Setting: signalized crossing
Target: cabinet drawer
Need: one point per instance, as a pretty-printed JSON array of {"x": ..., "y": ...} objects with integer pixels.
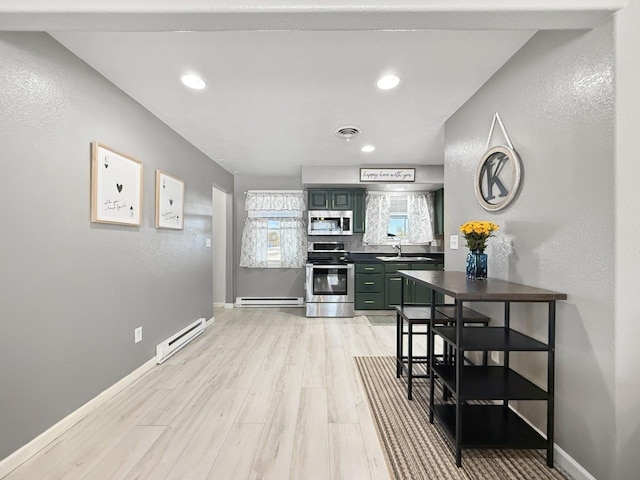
[
  {"x": 369, "y": 301},
  {"x": 393, "y": 268},
  {"x": 368, "y": 268},
  {"x": 370, "y": 283}
]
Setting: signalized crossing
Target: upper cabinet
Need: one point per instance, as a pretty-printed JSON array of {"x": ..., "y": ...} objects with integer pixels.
[
  {"x": 319, "y": 199},
  {"x": 439, "y": 210},
  {"x": 340, "y": 199},
  {"x": 358, "y": 210},
  {"x": 332, "y": 198}
]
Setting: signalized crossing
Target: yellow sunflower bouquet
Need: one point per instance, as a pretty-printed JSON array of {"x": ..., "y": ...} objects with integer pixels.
[{"x": 476, "y": 234}]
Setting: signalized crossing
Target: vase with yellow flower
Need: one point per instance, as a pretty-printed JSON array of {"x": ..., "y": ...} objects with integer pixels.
[{"x": 476, "y": 234}]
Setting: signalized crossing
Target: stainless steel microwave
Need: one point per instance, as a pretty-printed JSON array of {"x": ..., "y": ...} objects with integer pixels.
[{"x": 330, "y": 222}]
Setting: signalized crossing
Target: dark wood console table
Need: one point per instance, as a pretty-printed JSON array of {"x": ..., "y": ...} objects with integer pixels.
[{"x": 482, "y": 424}]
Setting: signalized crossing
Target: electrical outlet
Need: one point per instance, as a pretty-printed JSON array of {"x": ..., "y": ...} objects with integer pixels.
[
  {"x": 137, "y": 334},
  {"x": 208, "y": 242},
  {"x": 453, "y": 242}
]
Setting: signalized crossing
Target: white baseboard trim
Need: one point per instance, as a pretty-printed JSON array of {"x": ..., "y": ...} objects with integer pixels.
[
  {"x": 210, "y": 321},
  {"x": 25, "y": 452},
  {"x": 562, "y": 459},
  {"x": 222, "y": 305}
]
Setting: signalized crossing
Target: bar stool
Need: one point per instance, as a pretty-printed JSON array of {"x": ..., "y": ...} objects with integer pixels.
[
  {"x": 414, "y": 315},
  {"x": 470, "y": 316}
]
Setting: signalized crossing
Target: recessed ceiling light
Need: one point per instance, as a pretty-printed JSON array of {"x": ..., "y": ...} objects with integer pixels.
[
  {"x": 388, "y": 82},
  {"x": 368, "y": 148},
  {"x": 221, "y": 160},
  {"x": 193, "y": 81}
]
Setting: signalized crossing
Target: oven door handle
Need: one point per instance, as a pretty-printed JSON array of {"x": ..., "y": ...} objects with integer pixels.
[{"x": 336, "y": 267}]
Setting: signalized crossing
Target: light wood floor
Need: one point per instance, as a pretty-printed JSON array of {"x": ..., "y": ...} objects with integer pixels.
[{"x": 263, "y": 394}]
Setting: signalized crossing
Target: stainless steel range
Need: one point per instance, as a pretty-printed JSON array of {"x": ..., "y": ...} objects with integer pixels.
[{"x": 330, "y": 280}]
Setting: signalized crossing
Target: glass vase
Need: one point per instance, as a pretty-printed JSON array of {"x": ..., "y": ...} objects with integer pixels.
[{"x": 476, "y": 265}]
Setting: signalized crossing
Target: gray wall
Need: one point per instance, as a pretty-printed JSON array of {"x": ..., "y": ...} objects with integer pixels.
[
  {"x": 627, "y": 234},
  {"x": 72, "y": 291},
  {"x": 258, "y": 282},
  {"x": 556, "y": 99}
]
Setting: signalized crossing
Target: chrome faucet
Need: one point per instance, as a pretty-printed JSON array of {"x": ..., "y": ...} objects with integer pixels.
[{"x": 399, "y": 248}]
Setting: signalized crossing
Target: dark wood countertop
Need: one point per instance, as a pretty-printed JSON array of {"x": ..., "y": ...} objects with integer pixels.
[{"x": 456, "y": 285}]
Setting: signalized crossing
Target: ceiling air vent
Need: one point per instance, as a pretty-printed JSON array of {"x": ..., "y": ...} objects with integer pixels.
[{"x": 348, "y": 132}]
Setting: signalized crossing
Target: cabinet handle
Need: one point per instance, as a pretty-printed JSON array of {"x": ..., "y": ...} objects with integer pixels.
[
  {"x": 368, "y": 268},
  {"x": 368, "y": 301},
  {"x": 369, "y": 283},
  {"x": 395, "y": 279}
]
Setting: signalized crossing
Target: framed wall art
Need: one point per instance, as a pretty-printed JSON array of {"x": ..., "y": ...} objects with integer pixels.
[
  {"x": 169, "y": 201},
  {"x": 387, "y": 175},
  {"x": 116, "y": 187}
]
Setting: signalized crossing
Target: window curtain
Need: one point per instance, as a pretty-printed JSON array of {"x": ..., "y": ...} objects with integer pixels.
[
  {"x": 276, "y": 201},
  {"x": 377, "y": 218},
  {"x": 286, "y": 208},
  {"x": 419, "y": 217},
  {"x": 293, "y": 243},
  {"x": 255, "y": 245}
]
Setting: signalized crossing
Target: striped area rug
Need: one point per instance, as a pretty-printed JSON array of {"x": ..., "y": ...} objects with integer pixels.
[{"x": 415, "y": 449}]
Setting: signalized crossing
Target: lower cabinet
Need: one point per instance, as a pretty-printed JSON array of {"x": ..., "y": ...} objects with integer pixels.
[
  {"x": 393, "y": 283},
  {"x": 418, "y": 293},
  {"x": 369, "y": 286},
  {"x": 379, "y": 286}
]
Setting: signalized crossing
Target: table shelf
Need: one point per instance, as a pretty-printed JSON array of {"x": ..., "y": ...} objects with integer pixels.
[
  {"x": 491, "y": 339},
  {"x": 489, "y": 426},
  {"x": 489, "y": 383}
]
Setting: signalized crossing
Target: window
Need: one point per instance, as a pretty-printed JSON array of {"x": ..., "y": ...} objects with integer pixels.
[
  {"x": 276, "y": 223},
  {"x": 404, "y": 217},
  {"x": 273, "y": 235},
  {"x": 398, "y": 225},
  {"x": 274, "y": 256}
]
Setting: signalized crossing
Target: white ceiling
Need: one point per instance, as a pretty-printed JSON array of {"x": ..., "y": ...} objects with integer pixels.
[
  {"x": 283, "y": 75},
  {"x": 274, "y": 99}
]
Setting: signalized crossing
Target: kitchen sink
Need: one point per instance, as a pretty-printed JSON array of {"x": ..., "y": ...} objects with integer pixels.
[{"x": 396, "y": 258}]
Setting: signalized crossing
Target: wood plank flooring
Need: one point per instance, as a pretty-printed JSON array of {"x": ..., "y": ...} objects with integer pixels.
[{"x": 263, "y": 394}]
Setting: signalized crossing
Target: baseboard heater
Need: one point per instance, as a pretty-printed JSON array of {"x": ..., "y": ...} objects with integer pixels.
[
  {"x": 269, "y": 302},
  {"x": 174, "y": 343}
]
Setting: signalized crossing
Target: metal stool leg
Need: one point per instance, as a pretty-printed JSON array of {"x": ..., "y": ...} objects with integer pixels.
[
  {"x": 398, "y": 345},
  {"x": 410, "y": 362}
]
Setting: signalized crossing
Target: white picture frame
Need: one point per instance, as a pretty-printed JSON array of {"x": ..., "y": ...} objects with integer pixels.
[
  {"x": 116, "y": 187},
  {"x": 169, "y": 201}
]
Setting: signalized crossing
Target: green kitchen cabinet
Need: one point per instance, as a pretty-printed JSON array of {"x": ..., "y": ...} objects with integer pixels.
[
  {"x": 319, "y": 199},
  {"x": 392, "y": 290},
  {"x": 413, "y": 293},
  {"x": 438, "y": 222},
  {"x": 417, "y": 293},
  {"x": 379, "y": 286},
  {"x": 359, "y": 210},
  {"x": 393, "y": 283},
  {"x": 339, "y": 199},
  {"x": 369, "y": 283}
]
